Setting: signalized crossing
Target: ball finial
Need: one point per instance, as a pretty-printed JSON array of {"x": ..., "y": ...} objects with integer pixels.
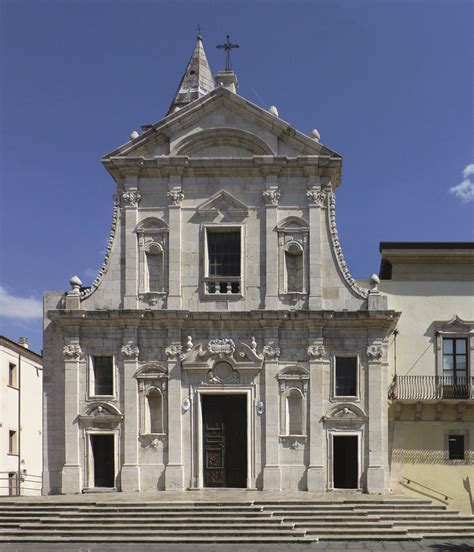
[
  {"x": 315, "y": 135},
  {"x": 134, "y": 134},
  {"x": 273, "y": 110},
  {"x": 374, "y": 282},
  {"x": 76, "y": 283}
]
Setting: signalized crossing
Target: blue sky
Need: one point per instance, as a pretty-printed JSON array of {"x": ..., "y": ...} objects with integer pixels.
[{"x": 388, "y": 84}]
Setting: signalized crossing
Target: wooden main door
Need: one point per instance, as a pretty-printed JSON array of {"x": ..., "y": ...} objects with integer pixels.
[{"x": 225, "y": 440}]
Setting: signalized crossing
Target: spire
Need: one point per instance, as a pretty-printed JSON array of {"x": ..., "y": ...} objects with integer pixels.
[{"x": 197, "y": 80}]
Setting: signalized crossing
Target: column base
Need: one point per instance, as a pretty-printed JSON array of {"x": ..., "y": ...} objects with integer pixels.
[
  {"x": 71, "y": 480},
  {"x": 316, "y": 479},
  {"x": 271, "y": 478},
  {"x": 174, "y": 477},
  {"x": 130, "y": 478},
  {"x": 377, "y": 479}
]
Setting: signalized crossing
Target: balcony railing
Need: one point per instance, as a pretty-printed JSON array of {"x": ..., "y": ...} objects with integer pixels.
[
  {"x": 427, "y": 388},
  {"x": 222, "y": 285}
]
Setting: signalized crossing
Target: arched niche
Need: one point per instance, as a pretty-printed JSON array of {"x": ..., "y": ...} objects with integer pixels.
[
  {"x": 222, "y": 142},
  {"x": 152, "y": 380},
  {"x": 293, "y": 255},
  {"x": 293, "y": 383}
]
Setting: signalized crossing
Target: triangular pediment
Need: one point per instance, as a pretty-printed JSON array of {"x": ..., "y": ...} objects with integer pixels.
[
  {"x": 223, "y": 202},
  {"x": 226, "y": 120}
]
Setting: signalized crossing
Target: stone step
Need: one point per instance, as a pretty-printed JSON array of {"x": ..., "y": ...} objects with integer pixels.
[
  {"x": 171, "y": 540},
  {"x": 163, "y": 527},
  {"x": 92, "y": 532}
]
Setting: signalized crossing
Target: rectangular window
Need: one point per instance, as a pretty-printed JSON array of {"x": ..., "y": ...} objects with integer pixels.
[
  {"x": 12, "y": 375},
  {"x": 455, "y": 358},
  {"x": 103, "y": 375},
  {"x": 223, "y": 261},
  {"x": 12, "y": 442},
  {"x": 456, "y": 447},
  {"x": 346, "y": 377}
]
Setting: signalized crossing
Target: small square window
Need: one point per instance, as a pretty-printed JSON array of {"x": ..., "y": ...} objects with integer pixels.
[
  {"x": 12, "y": 442},
  {"x": 456, "y": 447},
  {"x": 12, "y": 375},
  {"x": 346, "y": 377},
  {"x": 103, "y": 375}
]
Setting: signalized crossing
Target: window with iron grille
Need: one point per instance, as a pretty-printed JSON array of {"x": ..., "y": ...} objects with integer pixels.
[
  {"x": 456, "y": 447},
  {"x": 223, "y": 260},
  {"x": 346, "y": 377},
  {"x": 455, "y": 358},
  {"x": 103, "y": 373}
]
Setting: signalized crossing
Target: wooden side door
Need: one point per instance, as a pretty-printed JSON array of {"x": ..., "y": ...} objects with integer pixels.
[{"x": 214, "y": 446}]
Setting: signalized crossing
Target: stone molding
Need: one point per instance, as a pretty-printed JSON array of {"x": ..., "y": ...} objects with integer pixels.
[
  {"x": 338, "y": 250},
  {"x": 175, "y": 197},
  {"x": 221, "y": 347},
  {"x": 132, "y": 198},
  {"x": 110, "y": 242},
  {"x": 130, "y": 352},
  {"x": 72, "y": 351}
]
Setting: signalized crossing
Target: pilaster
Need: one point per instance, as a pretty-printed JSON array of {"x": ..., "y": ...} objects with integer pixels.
[
  {"x": 131, "y": 198},
  {"x": 376, "y": 383},
  {"x": 175, "y": 197},
  {"x": 73, "y": 362},
  {"x": 271, "y": 196},
  {"x": 174, "y": 475},
  {"x": 317, "y": 201},
  {"x": 271, "y": 470},
  {"x": 130, "y": 474},
  {"x": 318, "y": 365}
]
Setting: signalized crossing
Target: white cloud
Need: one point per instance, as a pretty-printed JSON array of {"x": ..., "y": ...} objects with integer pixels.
[
  {"x": 465, "y": 189},
  {"x": 24, "y": 308}
]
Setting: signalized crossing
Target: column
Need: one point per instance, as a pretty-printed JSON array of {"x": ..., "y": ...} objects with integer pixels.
[
  {"x": 175, "y": 197},
  {"x": 73, "y": 363},
  {"x": 130, "y": 474},
  {"x": 271, "y": 470},
  {"x": 174, "y": 476},
  {"x": 271, "y": 196},
  {"x": 131, "y": 198},
  {"x": 318, "y": 365},
  {"x": 376, "y": 382},
  {"x": 316, "y": 201}
]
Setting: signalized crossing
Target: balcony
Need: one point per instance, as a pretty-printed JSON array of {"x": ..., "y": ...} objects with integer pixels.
[
  {"x": 431, "y": 388},
  {"x": 222, "y": 285}
]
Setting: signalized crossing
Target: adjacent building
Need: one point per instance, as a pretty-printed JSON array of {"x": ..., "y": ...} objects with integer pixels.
[
  {"x": 21, "y": 406},
  {"x": 224, "y": 342}
]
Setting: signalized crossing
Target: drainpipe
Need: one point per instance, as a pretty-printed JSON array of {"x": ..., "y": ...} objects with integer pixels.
[{"x": 19, "y": 426}]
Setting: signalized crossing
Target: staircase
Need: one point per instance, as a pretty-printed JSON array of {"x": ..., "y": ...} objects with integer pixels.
[{"x": 276, "y": 521}]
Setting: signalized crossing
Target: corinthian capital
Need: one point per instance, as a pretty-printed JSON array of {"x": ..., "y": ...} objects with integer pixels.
[
  {"x": 271, "y": 197},
  {"x": 175, "y": 197},
  {"x": 132, "y": 198},
  {"x": 72, "y": 351}
]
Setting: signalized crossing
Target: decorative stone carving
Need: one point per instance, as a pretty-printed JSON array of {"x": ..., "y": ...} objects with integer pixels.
[
  {"x": 223, "y": 373},
  {"x": 271, "y": 352},
  {"x": 72, "y": 351},
  {"x": 317, "y": 197},
  {"x": 173, "y": 352},
  {"x": 175, "y": 197},
  {"x": 271, "y": 197},
  {"x": 338, "y": 250},
  {"x": 132, "y": 198},
  {"x": 130, "y": 352},
  {"x": 189, "y": 343},
  {"x": 253, "y": 344},
  {"x": 374, "y": 352},
  {"x": 221, "y": 347},
  {"x": 345, "y": 413},
  {"x": 103, "y": 268},
  {"x": 374, "y": 282},
  {"x": 316, "y": 351}
]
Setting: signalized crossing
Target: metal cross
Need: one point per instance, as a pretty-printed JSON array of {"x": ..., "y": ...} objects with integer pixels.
[
  {"x": 228, "y": 48},
  {"x": 199, "y": 30}
]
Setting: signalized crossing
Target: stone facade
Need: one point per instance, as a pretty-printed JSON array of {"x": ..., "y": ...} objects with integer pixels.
[{"x": 271, "y": 329}]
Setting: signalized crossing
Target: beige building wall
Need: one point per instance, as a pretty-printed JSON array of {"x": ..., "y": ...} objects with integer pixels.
[{"x": 21, "y": 388}]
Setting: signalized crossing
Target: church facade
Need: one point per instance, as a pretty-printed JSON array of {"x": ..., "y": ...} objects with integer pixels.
[{"x": 224, "y": 342}]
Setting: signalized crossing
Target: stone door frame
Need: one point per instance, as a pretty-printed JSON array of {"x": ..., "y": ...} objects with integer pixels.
[
  {"x": 331, "y": 433},
  {"x": 197, "y": 431},
  {"x": 89, "y": 460}
]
